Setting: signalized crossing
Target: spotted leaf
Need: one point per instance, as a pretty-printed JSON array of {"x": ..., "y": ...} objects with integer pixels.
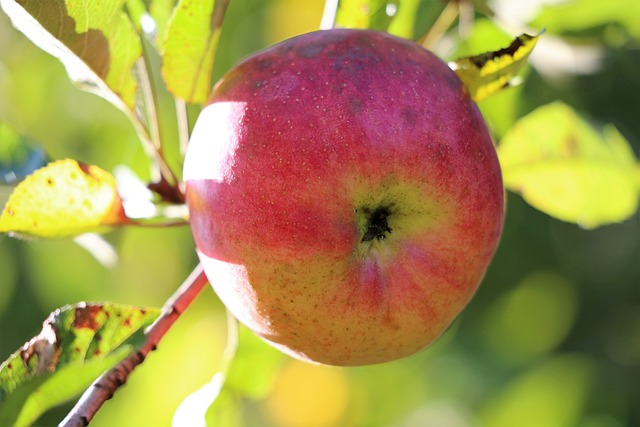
[
  {"x": 488, "y": 73},
  {"x": 76, "y": 345},
  {"x": 63, "y": 199}
]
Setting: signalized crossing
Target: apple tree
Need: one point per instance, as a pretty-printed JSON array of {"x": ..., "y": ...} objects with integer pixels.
[{"x": 96, "y": 224}]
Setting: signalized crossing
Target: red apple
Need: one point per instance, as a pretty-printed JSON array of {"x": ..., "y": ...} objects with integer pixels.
[{"x": 345, "y": 196}]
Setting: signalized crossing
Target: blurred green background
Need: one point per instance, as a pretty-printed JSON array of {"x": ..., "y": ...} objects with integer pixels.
[{"x": 552, "y": 338}]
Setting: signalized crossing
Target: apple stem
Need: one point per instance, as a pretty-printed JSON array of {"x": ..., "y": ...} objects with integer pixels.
[{"x": 107, "y": 384}]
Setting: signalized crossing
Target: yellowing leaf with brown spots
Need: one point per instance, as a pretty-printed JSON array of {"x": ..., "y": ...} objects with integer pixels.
[
  {"x": 488, "y": 73},
  {"x": 77, "y": 343},
  {"x": 63, "y": 199}
]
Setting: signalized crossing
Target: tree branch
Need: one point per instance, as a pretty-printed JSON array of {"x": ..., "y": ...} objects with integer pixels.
[{"x": 106, "y": 385}]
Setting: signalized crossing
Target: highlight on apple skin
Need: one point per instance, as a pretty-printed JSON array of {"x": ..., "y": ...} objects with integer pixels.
[{"x": 345, "y": 196}]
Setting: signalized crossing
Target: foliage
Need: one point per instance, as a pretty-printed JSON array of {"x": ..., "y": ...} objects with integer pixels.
[
  {"x": 564, "y": 167},
  {"x": 76, "y": 344},
  {"x": 63, "y": 199},
  {"x": 564, "y": 158},
  {"x": 486, "y": 74}
]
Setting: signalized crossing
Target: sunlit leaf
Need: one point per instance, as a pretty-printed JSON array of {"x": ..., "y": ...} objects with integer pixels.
[
  {"x": 189, "y": 48},
  {"x": 490, "y": 72},
  {"x": 397, "y": 17},
  {"x": 65, "y": 198},
  {"x": 354, "y": 13},
  {"x": 589, "y": 14},
  {"x": 501, "y": 109},
  {"x": 151, "y": 18},
  {"x": 254, "y": 368},
  {"x": 226, "y": 411},
  {"x": 372, "y": 14},
  {"x": 251, "y": 375},
  {"x": 193, "y": 409},
  {"x": 403, "y": 15},
  {"x": 77, "y": 343},
  {"x": 485, "y": 35},
  {"x": 94, "y": 40},
  {"x": 18, "y": 156},
  {"x": 565, "y": 168}
]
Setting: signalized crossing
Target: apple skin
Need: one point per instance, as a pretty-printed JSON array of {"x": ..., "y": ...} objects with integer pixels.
[{"x": 345, "y": 196}]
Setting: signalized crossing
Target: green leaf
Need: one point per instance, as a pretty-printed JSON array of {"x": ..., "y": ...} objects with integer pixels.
[
  {"x": 397, "y": 17},
  {"x": 76, "y": 345},
  {"x": 251, "y": 374},
  {"x": 190, "y": 46},
  {"x": 485, "y": 35},
  {"x": 364, "y": 14},
  {"x": 254, "y": 368},
  {"x": 565, "y": 168},
  {"x": 63, "y": 199},
  {"x": 585, "y": 15},
  {"x": 95, "y": 41},
  {"x": 151, "y": 18},
  {"x": 226, "y": 411},
  {"x": 404, "y": 14},
  {"x": 489, "y": 73}
]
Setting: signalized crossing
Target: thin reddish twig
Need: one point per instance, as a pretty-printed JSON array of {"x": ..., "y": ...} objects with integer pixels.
[{"x": 106, "y": 385}]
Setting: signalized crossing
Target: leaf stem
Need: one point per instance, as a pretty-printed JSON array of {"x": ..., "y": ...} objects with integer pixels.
[
  {"x": 107, "y": 384},
  {"x": 231, "y": 348},
  {"x": 442, "y": 24},
  {"x": 466, "y": 13},
  {"x": 329, "y": 14},
  {"x": 182, "y": 120},
  {"x": 150, "y": 99}
]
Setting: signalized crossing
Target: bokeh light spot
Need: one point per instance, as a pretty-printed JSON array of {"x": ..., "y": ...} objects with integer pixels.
[
  {"x": 532, "y": 319},
  {"x": 309, "y": 396}
]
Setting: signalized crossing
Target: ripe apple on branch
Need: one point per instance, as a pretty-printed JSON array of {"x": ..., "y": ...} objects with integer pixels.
[{"x": 345, "y": 196}]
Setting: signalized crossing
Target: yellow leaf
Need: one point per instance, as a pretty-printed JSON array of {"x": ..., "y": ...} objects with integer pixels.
[
  {"x": 489, "y": 73},
  {"x": 354, "y": 14},
  {"x": 189, "y": 48},
  {"x": 63, "y": 199},
  {"x": 567, "y": 169}
]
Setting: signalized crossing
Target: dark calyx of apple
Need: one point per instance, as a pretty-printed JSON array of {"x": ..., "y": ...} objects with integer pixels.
[{"x": 377, "y": 225}]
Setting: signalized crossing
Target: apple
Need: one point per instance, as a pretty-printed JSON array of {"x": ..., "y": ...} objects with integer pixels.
[{"x": 345, "y": 196}]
